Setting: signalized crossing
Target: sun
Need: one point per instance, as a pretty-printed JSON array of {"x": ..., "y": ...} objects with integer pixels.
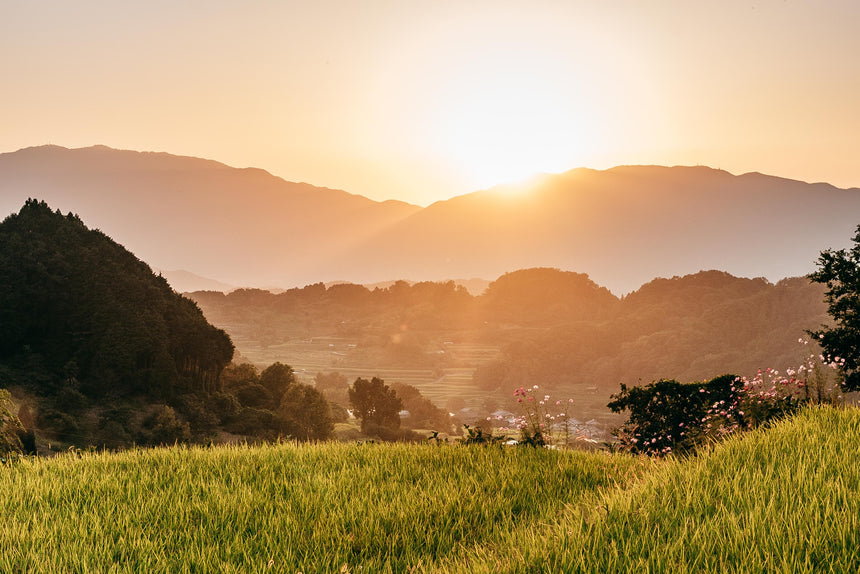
[{"x": 506, "y": 118}]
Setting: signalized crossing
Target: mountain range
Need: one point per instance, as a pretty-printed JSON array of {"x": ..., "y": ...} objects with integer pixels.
[{"x": 622, "y": 226}]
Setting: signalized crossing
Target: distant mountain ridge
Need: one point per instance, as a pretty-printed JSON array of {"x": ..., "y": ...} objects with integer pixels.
[
  {"x": 626, "y": 225},
  {"x": 185, "y": 282},
  {"x": 239, "y": 226},
  {"x": 622, "y": 226}
]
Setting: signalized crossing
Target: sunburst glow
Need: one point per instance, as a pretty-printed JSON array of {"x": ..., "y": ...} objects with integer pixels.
[{"x": 505, "y": 117}]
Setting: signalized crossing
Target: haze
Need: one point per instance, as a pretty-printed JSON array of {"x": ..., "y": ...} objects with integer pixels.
[{"x": 422, "y": 101}]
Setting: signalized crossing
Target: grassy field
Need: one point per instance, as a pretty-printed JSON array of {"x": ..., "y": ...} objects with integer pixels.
[
  {"x": 785, "y": 499},
  {"x": 782, "y": 500},
  {"x": 311, "y": 508}
]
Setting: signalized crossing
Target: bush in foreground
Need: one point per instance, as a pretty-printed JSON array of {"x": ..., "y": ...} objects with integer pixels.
[{"x": 671, "y": 417}]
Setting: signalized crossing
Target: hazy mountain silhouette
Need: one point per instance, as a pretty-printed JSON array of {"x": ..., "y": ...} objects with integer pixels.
[
  {"x": 240, "y": 226},
  {"x": 186, "y": 282},
  {"x": 623, "y": 226}
]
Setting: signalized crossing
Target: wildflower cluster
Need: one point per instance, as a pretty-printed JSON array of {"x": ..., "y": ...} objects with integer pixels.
[
  {"x": 543, "y": 421},
  {"x": 668, "y": 416},
  {"x": 771, "y": 393}
]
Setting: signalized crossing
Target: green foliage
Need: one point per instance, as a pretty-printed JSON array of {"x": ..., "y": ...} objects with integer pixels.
[
  {"x": 305, "y": 413},
  {"x": 238, "y": 375},
  {"x": 479, "y": 436},
  {"x": 271, "y": 404},
  {"x": 671, "y": 417},
  {"x": 60, "y": 425},
  {"x": 334, "y": 386},
  {"x": 423, "y": 414},
  {"x": 277, "y": 378},
  {"x": 839, "y": 270},
  {"x": 225, "y": 406},
  {"x": 200, "y": 415},
  {"x": 255, "y": 395},
  {"x": 689, "y": 327},
  {"x": 85, "y": 325},
  {"x": 10, "y": 427},
  {"x": 546, "y": 296},
  {"x": 339, "y": 413},
  {"x": 112, "y": 435},
  {"x": 375, "y": 404},
  {"x": 534, "y": 326},
  {"x": 668, "y": 416},
  {"x": 253, "y": 422},
  {"x": 163, "y": 427},
  {"x": 71, "y": 296}
]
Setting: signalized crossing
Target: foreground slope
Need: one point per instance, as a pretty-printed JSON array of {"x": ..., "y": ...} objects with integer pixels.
[
  {"x": 312, "y": 508},
  {"x": 784, "y": 499}
]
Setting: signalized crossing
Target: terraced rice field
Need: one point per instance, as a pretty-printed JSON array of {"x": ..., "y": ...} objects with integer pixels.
[{"x": 326, "y": 354}]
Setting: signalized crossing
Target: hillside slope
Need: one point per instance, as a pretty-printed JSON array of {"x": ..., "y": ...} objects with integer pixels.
[
  {"x": 781, "y": 499},
  {"x": 380, "y": 508},
  {"x": 87, "y": 328},
  {"x": 80, "y": 306},
  {"x": 539, "y": 326}
]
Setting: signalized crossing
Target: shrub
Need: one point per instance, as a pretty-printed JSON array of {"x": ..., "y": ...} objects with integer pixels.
[
  {"x": 543, "y": 422},
  {"x": 10, "y": 426},
  {"x": 256, "y": 422},
  {"x": 477, "y": 435},
  {"x": 163, "y": 427},
  {"x": 668, "y": 416}
]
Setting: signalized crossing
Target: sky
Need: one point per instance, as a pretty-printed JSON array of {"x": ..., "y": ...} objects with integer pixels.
[{"x": 424, "y": 100}]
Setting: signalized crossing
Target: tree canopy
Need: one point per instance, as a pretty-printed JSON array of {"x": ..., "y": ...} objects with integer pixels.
[
  {"x": 76, "y": 305},
  {"x": 375, "y": 404},
  {"x": 87, "y": 329},
  {"x": 306, "y": 413},
  {"x": 839, "y": 270}
]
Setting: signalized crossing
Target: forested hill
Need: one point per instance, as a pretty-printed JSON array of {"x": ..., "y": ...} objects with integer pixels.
[
  {"x": 84, "y": 323},
  {"x": 539, "y": 326}
]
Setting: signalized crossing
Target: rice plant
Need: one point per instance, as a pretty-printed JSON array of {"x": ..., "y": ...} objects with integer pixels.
[
  {"x": 779, "y": 499},
  {"x": 286, "y": 507}
]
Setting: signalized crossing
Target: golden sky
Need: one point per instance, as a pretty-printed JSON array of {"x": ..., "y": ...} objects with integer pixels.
[{"x": 422, "y": 100}]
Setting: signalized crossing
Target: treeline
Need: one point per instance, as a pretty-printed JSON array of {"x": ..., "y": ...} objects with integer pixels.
[
  {"x": 553, "y": 328},
  {"x": 689, "y": 328},
  {"x": 528, "y": 297}
]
